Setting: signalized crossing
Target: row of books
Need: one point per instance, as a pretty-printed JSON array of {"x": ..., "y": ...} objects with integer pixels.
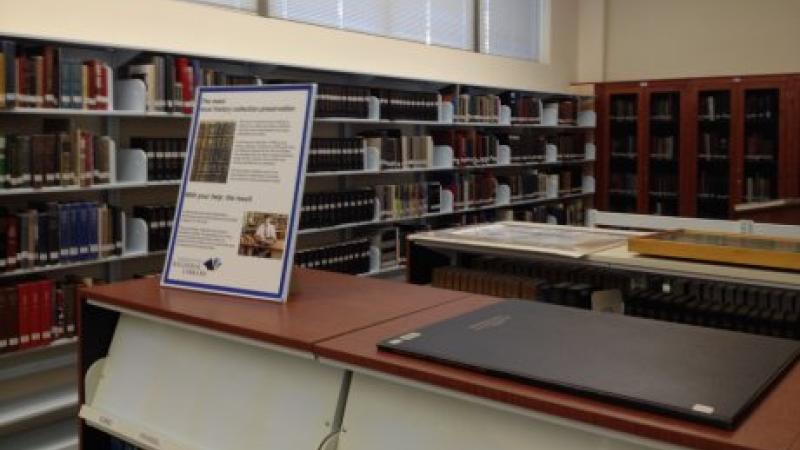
[
  {"x": 42, "y": 77},
  {"x": 54, "y": 233},
  {"x": 38, "y": 312},
  {"x": 662, "y": 147},
  {"x": 663, "y": 107},
  {"x": 392, "y": 243},
  {"x": 470, "y": 148},
  {"x": 472, "y": 189},
  {"x": 566, "y": 213},
  {"x": 713, "y": 184},
  {"x": 77, "y": 158},
  {"x": 664, "y": 183},
  {"x": 761, "y": 105},
  {"x": 624, "y": 147},
  {"x": 169, "y": 81},
  {"x": 342, "y": 101},
  {"x": 758, "y": 186},
  {"x": 526, "y": 109},
  {"x": 624, "y": 182},
  {"x": 484, "y": 283},
  {"x": 760, "y": 145},
  {"x": 714, "y": 106},
  {"x": 408, "y": 200},
  {"x": 335, "y": 154},
  {"x": 159, "y": 224},
  {"x": 750, "y": 310},
  {"x": 527, "y": 185},
  {"x": 623, "y": 108},
  {"x": 712, "y": 145},
  {"x": 333, "y": 208},
  {"x": 400, "y": 152},
  {"x": 404, "y": 105},
  {"x": 552, "y": 273},
  {"x": 348, "y": 257},
  {"x": 165, "y": 156}
]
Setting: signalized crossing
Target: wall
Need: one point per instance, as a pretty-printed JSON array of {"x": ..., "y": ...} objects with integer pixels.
[
  {"x": 648, "y": 39},
  {"x": 591, "y": 40},
  {"x": 183, "y": 27}
]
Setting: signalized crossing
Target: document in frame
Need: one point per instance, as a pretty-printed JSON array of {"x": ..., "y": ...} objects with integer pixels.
[{"x": 239, "y": 204}]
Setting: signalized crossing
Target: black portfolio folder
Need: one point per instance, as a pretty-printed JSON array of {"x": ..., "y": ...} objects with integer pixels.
[{"x": 701, "y": 374}]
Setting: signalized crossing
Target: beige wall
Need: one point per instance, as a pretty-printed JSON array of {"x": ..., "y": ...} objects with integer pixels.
[
  {"x": 648, "y": 39},
  {"x": 182, "y": 27},
  {"x": 591, "y": 40}
]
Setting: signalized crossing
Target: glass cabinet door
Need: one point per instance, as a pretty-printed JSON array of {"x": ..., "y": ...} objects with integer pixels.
[
  {"x": 624, "y": 137},
  {"x": 761, "y": 143},
  {"x": 714, "y": 154},
  {"x": 664, "y": 150}
]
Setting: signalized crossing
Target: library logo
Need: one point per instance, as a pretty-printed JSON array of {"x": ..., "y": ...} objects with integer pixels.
[{"x": 213, "y": 263}]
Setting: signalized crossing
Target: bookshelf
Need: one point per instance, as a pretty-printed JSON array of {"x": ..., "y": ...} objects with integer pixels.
[
  {"x": 562, "y": 128},
  {"x": 732, "y": 137}
]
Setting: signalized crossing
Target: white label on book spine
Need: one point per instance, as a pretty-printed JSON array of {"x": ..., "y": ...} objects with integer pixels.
[
  {"x": 3, "y": 343},
  {"x": 94, "y": 248},
  {"x": 46, "y": 335},
  {"x": 54, "y": 255},
  {"x": 36, "y": 336},
  {"x": 13, "y": 341},
  {"x": 70, "y": 328}
]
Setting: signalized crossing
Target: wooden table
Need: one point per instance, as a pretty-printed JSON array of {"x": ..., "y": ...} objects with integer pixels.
[
  {"x": 337, "y": 320},
  {"x": 774, "y": 423}
]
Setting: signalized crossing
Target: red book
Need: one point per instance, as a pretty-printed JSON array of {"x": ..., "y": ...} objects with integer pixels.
[
  {"x": 45, "y": 288},
  {"x": 12, "y": 317},
  {"x": 5, "y": 318},
  {"x": 34, "y": 313},
  {"x": 186, "y": 79},
  {"x": 91, "y": 94},
  {"x": 24, "y": 305},
  {"x": 102, "y": 85}
]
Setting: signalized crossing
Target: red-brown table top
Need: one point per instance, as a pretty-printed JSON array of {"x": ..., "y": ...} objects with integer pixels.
[
  {"x": 321, "y": 305},
  {"x": 773, "y": 424}
]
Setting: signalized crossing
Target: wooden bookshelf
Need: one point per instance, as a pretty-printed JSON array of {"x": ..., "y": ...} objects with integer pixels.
[{"x": 733, "y": 137}]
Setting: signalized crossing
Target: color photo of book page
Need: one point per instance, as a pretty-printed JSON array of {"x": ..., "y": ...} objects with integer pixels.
[
  {"x": 239, "y": 206},
  {"x": 560, "y": 240}
]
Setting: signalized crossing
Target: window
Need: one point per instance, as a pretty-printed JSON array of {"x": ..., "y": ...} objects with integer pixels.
[
  {"x": 511, "y": 28},
  {"x": 447, "y": 23}
]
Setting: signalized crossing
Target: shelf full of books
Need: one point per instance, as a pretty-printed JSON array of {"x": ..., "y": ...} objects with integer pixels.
[{"x": 385, "y": 153}]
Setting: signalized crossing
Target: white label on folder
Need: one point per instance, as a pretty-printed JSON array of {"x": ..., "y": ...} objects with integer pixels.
[{"x": 701, "y": 408}]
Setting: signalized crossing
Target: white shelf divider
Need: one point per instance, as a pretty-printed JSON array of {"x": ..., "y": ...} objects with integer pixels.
[{"x": 167, "y": 387}]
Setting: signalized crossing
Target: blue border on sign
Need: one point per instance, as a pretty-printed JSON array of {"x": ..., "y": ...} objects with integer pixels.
[{"x": 289, "y": 250}]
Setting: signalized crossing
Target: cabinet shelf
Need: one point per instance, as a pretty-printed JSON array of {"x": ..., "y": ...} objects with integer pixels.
[
  {"x": 340, "y": 173},
  {"x": 92, "y": 113},
  {"x": 94, "y": 187},
  {"x": 76, "y": 264},
  {"x": 531, "y": 202}
]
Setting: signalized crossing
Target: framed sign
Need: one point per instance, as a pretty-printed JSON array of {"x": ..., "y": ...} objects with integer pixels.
[{"x": 238, "y": 209}]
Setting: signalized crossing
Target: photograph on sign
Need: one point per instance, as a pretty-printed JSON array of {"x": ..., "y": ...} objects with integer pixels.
[{"x": 239, "y": 204}]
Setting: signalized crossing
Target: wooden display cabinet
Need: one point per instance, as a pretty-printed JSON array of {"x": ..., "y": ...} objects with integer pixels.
[{"x": 702, "y": 145}]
